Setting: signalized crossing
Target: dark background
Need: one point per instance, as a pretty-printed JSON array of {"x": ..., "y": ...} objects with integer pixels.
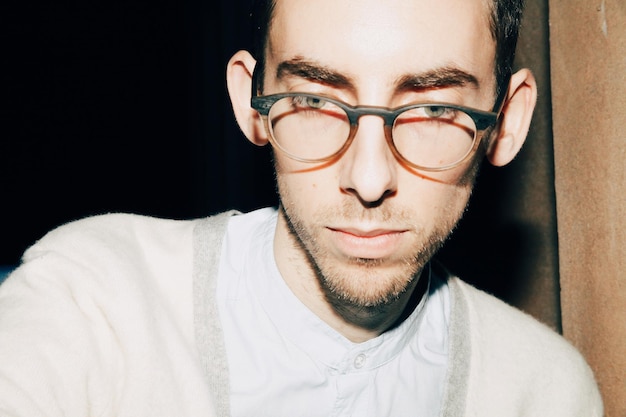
[{"x": 122, "y": 106}]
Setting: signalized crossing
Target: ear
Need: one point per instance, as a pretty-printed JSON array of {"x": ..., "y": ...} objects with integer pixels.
[
  {"x": 239, "y": 81},
  {"x": 515, "y": 119}
]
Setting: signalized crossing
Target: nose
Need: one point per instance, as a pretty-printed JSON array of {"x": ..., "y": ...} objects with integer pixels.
[{"x": 368, "y": 168}]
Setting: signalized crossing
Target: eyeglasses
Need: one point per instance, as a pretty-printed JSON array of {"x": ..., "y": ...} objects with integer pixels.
[{"x": 432, "y": 136}]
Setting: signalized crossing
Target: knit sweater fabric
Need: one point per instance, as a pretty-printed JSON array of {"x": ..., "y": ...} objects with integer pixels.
[{"x": 115, "y": 315}]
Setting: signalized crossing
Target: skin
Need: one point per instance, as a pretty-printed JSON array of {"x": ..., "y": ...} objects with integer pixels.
[{"x": 354, "y": 234}]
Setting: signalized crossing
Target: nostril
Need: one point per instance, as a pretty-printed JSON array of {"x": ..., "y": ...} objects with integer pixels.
[
  {"x": 370, "y": 203},
  {"x": 377, "y": 203}
]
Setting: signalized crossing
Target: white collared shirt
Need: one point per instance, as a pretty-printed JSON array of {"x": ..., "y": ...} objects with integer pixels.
[{"x": 284, "y": 361}]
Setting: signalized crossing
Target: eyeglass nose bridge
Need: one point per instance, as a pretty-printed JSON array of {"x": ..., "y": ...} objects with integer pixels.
[
  {"x": 355, "y": 114},
  {"x": 388, "y": 116}
]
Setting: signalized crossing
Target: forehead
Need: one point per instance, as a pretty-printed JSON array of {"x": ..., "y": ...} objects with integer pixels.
[{"x": 374, "y": 38}]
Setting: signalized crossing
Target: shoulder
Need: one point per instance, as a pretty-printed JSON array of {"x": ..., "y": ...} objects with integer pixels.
[
  {"x": 515, "y": 359},
  {"x": 127, "y": 268},
  {"x": 121, "y": 249},
  {"x": 107, "y": 232},
  {"x": 508, "y": 325},
  {"x": 112, "y": 250}
]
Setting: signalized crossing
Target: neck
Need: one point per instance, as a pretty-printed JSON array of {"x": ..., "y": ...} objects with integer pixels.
[
  {"x": 360, "y": 323},
  {"x": 355, "y": 322}
]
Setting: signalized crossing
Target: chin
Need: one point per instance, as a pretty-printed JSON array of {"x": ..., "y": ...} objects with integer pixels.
[{"x": 367, "y": 283}]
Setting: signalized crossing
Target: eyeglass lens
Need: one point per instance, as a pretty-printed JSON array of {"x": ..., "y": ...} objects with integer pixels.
[{"x": 312, "y": 128}]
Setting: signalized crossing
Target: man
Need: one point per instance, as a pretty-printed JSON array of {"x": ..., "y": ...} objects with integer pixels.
[{"x": 379, "y": 114}]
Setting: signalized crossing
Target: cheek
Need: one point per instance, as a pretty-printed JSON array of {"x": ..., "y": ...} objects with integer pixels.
[
  {"x": 295, "y": 177},
  {"x": 446, "y": 192},
  {"x": 455, "y": 201},
  {"x": 302, "y": 191},
  {"x": 436, "y": 200}
]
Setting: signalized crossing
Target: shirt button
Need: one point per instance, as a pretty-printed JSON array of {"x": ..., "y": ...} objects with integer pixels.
[{"x": 359, "y": 361}]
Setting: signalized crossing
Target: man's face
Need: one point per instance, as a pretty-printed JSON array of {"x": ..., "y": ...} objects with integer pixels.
[{"x": 366, "y": 223}]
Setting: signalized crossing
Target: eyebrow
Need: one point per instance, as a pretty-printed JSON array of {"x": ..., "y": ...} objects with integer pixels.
[
  {"x": 312, "y": 71},
  {"x": 448, "y": 76}
]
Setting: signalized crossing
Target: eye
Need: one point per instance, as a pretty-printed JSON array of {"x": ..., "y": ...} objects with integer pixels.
[
  {"x": 434, "y": 111},
  {"x": 309, "y": 102},
  {"x": 315, "y": 102}
]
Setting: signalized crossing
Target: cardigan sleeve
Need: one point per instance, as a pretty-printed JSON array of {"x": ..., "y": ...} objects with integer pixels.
[
  {"x": 98, "y": 321},
  {"x": 58, "y": 356}
]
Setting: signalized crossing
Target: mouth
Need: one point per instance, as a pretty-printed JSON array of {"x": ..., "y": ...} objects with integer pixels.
[{"x": 367, "y": 243}]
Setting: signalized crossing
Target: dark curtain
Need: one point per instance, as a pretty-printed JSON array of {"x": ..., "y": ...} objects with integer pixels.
[{"x": 121, "y": 106}]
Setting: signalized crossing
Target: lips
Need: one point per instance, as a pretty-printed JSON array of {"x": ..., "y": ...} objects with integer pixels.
[{"x": 366, "y": 243}]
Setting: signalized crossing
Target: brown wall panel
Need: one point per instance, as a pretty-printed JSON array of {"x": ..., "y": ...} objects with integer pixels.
[{"x": 588, "y": 57}]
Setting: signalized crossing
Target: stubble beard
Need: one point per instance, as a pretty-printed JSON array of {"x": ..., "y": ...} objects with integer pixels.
[{"x": 370, "y": 286}]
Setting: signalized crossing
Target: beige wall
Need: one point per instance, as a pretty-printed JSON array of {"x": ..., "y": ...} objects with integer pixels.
[{"x": 588, "y": 66}]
